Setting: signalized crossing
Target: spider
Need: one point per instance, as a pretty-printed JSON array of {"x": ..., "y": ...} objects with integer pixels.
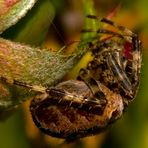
[{"x": 78, "y": 108}]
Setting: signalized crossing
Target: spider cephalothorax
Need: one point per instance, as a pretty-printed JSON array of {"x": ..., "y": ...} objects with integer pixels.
[
  {"x": 86, "y": 106},
  {"x": 117, "y": 62}
]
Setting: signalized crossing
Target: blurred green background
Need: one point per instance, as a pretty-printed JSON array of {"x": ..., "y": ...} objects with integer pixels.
[{"x": 131, "y": 131}]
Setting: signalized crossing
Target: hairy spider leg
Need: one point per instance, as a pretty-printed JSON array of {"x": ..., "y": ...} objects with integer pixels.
[
  {"x": 60, "y": 97},
  {"x": 85, "y": 75},
  {"x": 119, "y": 73},
  {"x": 128, "y": 75},
  {"x": 104, "y": 31},
  {"x": 134, "y": 63},
  {"x": 133, "y": 59},
  {"x": 115, "y": 65},
  {"x": 37, "y": 88},
  {"x": 124, "y": 30}
]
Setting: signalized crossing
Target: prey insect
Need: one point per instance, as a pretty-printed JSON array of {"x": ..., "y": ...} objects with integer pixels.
[{"x": 86, "y": 106}]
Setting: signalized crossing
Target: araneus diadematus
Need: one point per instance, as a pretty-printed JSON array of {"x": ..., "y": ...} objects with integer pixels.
[{"x": 86, "y": 106}]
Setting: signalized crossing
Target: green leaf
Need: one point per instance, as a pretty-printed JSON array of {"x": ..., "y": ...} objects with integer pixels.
[
  {"x": 32, "y": 29},
  {"x": 12, "y": 11}
]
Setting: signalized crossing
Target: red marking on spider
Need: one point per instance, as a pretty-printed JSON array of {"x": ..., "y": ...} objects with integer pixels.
[{"x": 128, "y": 49}]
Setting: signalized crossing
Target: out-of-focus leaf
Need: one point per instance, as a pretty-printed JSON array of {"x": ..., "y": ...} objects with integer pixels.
[
  {"x": 12, "y": 133},
  {"x": 11, "y": 11},
  {"x": 32, "y": 29}
]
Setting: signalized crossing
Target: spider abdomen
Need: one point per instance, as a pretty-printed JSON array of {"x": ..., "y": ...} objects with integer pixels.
[{"x": 65, "y": 121}]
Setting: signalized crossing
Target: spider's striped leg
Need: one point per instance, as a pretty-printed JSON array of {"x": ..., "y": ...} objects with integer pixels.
[
  {"x": 104, "y": 31},
  {"x": 115, "y": 65},
  {"x": 37, "y": 88},
  {"x": 66, "y": 94},
  {"x": 132, "y": 54},
  {"x": 125, "y": 31},
  {"x": 133, "y": 57},
  {"x": 93, "y": 85}
]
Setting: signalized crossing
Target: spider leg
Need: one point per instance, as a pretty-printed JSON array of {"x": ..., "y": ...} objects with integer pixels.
[
  {"x": 104, "y": 31},
  {"x": 52, "y": 91},
  {"x": 61, "y": 96},
  {"x": 120, "y": 74},
  {"x": 37, "y": 88},
  {"x": 93, "y": 85},
  {"x": 126, "y": 31},
  {"x": 133, "y": 66}
]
